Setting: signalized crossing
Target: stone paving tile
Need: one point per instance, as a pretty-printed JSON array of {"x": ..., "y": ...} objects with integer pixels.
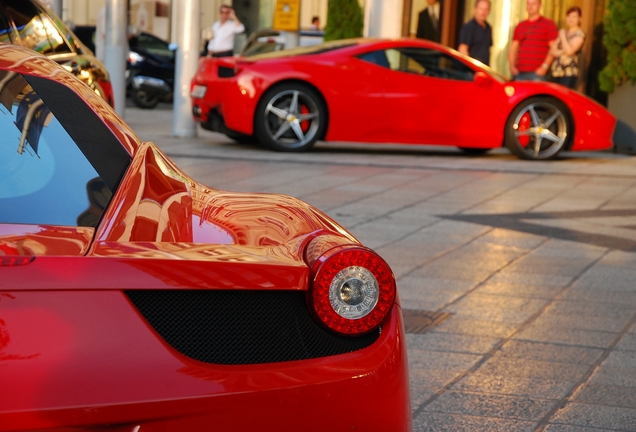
[
  {"x": 566, "y": 307},
  {"x": 452, "y": 272},
  {"x": 537, "y": 264},
  {"x": 571, "y": 428},
  {"x": 530, "y": 387},
  {"x": 548, "y": 333},
  {"x": 429, "y": 379},
  {"x": 521, "y": 290},
  {"x": 550, "y": 352},
  {"x": 430, "y": 294},
  {"x": 439, "y": 360},
  {"x": 420, "y": 393},
  {"x": 488, "y": 307},
  {"x": 619, "y": 258},
  {"x": 627, "y": 343},
  {"x": 506, "y": 237},
  {"x": 516, "y": 278},
  {"x": 608, "y": 279},
  {"x": 617, "y": 396},
  {"x": 562, "y": 248},
  {"x": 614, "y": 376},
  {"x": 476, "y": 327},
  {"x": 597, "y": 296},
  {"x": 459, "y": 343},
  {"x": 580, "y": 322},
  {"x": 621, "y": 359},
  {"x": 505, "y": 366},
  {"x": 441, "y": 422},
  {"x": 489, "y": 405},
  {"x": 598, "y": 416}
]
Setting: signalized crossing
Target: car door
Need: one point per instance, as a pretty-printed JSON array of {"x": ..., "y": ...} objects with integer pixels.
[
  {"x": 355, "y": 93},
  {"x": 434, "y": 98}
]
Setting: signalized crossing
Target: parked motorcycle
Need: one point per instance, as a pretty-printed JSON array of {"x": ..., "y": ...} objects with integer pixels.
[
  {"x": 150, "y": 72},
  {"x": 150, "y": 67}
]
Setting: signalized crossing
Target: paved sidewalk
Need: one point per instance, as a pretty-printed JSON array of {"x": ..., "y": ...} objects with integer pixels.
[{"x": 526, "y": 271}]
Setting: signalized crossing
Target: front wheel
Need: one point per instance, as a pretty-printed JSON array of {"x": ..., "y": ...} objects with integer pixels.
[
  {"x": 539, "y": 128},
  {"x": 143, "y": 99},
  {"x": 290, "y": 117}
]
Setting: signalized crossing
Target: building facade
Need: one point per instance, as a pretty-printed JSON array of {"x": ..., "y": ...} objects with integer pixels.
[{"x": 383, "y": 18}]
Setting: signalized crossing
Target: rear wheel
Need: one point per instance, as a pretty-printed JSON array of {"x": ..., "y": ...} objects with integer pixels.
[
  {"x": 539, "y": 128},
  {"x": 290, "y": 117}
]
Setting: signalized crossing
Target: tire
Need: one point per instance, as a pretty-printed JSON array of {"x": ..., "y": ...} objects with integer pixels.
[
  {"x": 144, "y": 99},
  {"x": 539, "y": 128},
  {"x": 290, "y": 117}
]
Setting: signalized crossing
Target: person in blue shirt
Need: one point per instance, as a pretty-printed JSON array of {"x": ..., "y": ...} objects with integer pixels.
[{"x": 475, "y": 37}]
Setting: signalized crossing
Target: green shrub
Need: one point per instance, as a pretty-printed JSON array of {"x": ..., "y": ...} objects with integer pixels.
[
  {"x": 619, "y": 40},
  {"x": 344, "y": 20}
]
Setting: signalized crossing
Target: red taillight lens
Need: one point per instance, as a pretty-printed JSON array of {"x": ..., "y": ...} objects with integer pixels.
[{"x": 352, "y": 290}]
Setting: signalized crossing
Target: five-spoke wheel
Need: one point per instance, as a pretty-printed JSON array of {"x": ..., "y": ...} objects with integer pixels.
[
  {"x": 538, "y": 128},
  {"x": 290, "y": 117}
]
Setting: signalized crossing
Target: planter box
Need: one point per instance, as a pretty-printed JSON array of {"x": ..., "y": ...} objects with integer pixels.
[{"x": 622, "y": 103}]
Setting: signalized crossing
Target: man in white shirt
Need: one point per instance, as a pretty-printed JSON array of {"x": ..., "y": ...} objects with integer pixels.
[{"x": 224, "y": 30}]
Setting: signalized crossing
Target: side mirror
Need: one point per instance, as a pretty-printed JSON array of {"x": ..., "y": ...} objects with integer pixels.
[{"x": 482, "y": 79}]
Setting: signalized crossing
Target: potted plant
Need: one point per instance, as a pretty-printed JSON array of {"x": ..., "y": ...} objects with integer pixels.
[
  {"x": 618, "y": 77},
  {"x": 344, "y": 20}
]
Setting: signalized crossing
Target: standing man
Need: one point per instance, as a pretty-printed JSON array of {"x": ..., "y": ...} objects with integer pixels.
[
  {"x": 529, "y": 53},
  {"x": 224, "y": 31},
  {"x": 475, "y": 37},
  {"x": 429, "y": 22}
]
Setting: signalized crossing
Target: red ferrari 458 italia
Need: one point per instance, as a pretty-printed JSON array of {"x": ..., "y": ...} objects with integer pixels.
[
  {"x": 133, "y": 298},
  {"x": 397, "y": 91}
]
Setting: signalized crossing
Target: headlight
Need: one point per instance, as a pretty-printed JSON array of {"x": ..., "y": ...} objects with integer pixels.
[
  {"x": 135, "y": 58},
  {"x": 198, "y": 91}
]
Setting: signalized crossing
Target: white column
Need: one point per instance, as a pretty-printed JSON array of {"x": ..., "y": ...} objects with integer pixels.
[
  {"x": 116, "y": 50},
  {"x": 187, "y": 22},
  {"x": 383, "y": 18},
  {"x": 56, "y": 7}
]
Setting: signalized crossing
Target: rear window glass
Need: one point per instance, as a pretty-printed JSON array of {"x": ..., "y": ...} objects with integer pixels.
[{"x": 44, "y": 177}]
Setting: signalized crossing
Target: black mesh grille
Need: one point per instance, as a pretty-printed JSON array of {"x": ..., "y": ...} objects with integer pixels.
[
  {"x": 241, "y": 327},
  {"x": 226, "y": 72}
]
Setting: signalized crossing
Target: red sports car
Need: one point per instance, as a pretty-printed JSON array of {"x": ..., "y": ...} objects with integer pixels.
[
  {"x": 133, "y": 298},
  {"x": 398, "y": 91}
]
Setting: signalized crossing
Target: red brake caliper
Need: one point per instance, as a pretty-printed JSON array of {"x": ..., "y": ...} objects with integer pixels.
[
  {"x": 304, "y": 126},
  {"x": 524, "y": 124}
]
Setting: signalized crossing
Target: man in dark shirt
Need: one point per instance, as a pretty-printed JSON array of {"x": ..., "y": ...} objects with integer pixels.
[{"x": 475, "y": 37}]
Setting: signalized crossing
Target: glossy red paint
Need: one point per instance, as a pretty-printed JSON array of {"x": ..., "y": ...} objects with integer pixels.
[
  {"x": 84, "y": 359},
  {"x": 77, "y": 354},
  {"x": 367, "y": 102}
]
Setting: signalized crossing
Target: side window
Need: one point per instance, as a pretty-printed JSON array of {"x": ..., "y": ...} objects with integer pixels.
[
  {"x": 36, "y": 30},
  {"x": 375, "y": 57},
  {"x": 428, "y": 62},
  {"x": 44, "y": 177}
]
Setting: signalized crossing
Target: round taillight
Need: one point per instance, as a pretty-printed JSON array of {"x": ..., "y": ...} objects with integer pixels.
[{"x": 352, "y": 289}]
